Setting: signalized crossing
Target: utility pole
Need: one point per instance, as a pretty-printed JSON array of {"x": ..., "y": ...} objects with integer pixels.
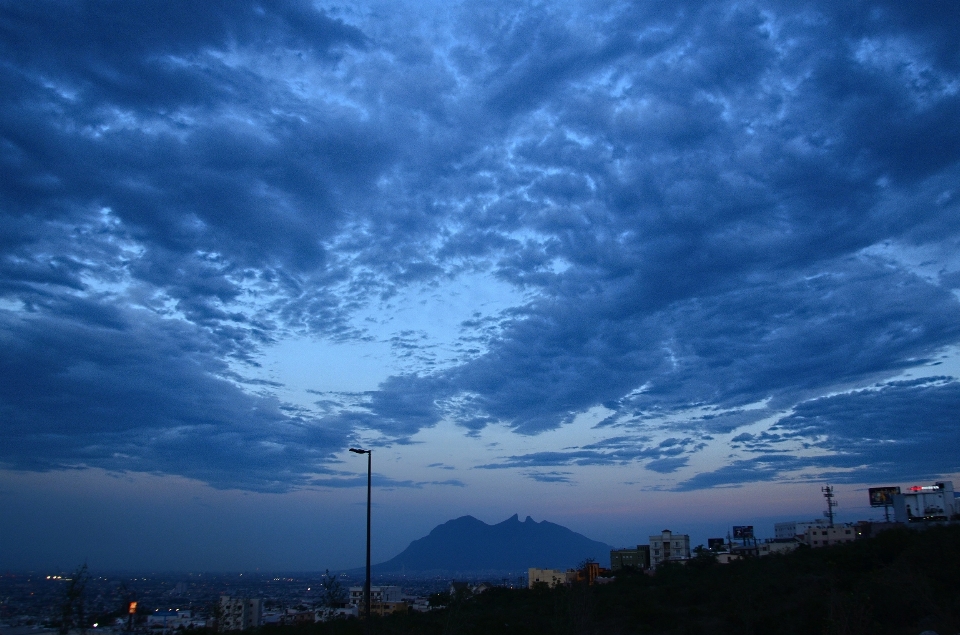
[{"x": 366, "y": 584}]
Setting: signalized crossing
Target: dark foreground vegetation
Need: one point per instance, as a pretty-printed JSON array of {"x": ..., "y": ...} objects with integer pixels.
[{"x": 899, "y": 582}]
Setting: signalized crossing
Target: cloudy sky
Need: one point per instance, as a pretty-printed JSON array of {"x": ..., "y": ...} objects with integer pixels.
[{"x": 622, "y": 266}]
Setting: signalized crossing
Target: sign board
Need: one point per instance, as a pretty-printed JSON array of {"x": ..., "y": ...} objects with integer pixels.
[
  {"x": 882, "y": 496},
  {"x": 743, "y": 531}
]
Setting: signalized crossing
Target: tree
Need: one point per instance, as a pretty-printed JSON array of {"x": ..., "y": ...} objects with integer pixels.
[
  {"x": 334, "y": 595},
  {"x": 72, "y": 613}
]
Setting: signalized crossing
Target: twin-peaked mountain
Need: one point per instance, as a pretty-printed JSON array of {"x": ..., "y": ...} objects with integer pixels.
[{"x": 466, "y": 544}]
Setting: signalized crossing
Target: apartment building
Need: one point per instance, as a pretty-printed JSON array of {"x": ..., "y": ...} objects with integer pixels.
[
  {"x": 669, "y": 546},
  {"x": 239, "y": 614}
]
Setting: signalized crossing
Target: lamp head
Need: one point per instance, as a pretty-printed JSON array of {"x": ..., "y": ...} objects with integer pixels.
[{"x": 359, "y": 451}]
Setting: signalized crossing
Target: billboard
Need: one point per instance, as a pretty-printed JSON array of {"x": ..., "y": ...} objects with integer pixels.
[
  {"x": 743, "y": 531},
  {"x": 882, "y": 496}
]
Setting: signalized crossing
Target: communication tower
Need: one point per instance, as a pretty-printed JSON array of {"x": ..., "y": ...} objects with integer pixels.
[{"x": 831, "y": 503}]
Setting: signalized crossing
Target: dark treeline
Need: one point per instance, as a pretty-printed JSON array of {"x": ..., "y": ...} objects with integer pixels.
[{"x": 899, "y": 582}]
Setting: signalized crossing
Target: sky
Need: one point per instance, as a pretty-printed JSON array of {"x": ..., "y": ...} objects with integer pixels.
[{"x": 620, "y": 266}]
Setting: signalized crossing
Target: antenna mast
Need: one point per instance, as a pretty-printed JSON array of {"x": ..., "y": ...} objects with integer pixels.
[{"x": 828, "y": 494}]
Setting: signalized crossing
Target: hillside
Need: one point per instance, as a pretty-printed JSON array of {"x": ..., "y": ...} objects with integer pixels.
[{"x": 902, "y": 582}]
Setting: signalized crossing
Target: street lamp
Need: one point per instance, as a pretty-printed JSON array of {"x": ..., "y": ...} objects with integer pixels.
[{"x": 366, "y": 585}]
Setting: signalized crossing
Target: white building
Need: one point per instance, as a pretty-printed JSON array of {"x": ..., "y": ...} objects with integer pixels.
[
  {"x": 669, "y": 546},
  {"x": 550, "y": 577},
  {"x": 378, "y": 595},
  {"x": 174, "y": 619},
  {"x": 824, "y": 535},
  {"x": 326, "y": 614},
  {"x": 769, "y": 548},
  {"x": 725, "y": 557},
  {"x": 239, "y": 614},
  {"x": 926, "y": 503},
  {"x": 793, "y": 529}
]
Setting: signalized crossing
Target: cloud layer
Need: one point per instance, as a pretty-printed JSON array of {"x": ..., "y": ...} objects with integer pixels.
[{"x": 704, "y": 206}]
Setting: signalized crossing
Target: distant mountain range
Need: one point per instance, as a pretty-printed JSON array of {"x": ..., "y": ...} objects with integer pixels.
[{"x": 467, "y": 545}]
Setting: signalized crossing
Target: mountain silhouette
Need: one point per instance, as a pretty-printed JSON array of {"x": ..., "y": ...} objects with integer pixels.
[{"x": 468, "y": 545}]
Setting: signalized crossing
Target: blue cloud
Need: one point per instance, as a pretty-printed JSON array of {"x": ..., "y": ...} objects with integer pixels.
[
  {"x": 666, "y": 466},
  {"x": 897, "y": 431},
  {"x": 704, "y": 206},
  {"x": 615, "y": 451},
  {"x": 550, "y": 477},
  {"x": 146, "y": 395},
  {"x": 347, "y": 480}
]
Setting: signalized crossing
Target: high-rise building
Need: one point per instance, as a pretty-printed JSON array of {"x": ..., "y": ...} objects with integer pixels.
[
  {"x": 794, "y": 529},
  {"x": 669, "y": 546},
  {"x": 239, "y": 614}
]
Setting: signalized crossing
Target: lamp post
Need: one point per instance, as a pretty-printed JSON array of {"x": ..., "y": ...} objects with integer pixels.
[{"x": 366, "y": 584}]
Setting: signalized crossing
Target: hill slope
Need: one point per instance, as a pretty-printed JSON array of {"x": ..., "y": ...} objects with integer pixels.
[{"x": 466, "y": 544}]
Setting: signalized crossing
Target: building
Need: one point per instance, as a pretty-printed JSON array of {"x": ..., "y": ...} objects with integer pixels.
[
  {"x": 550, "y": 577},
  {"x": 669, "y": 547},
  {"x": 326, "y": 614},
  {"x": 637, "y": 559},
  {"x": 771, "y": 547},
  {"x": 716, "y": 544},
  {"x": 377, "y": 594},
  {"x": 588, "y": 573},
  {"x": 793, "y": 529},
  {"x": 239, "y": 614},
  {"x": 926, "y": 503},
  {"x": 174, "y": 619},
  {"x": 824, "y": 535},
  {"x": 383, "y": 599},
  {"x": 725, "y": 557},
  {"x": 725, "y": 553}
]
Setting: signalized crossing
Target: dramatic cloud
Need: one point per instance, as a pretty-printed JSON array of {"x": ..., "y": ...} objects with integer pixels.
[
  {"x": 133, "y": 394},
  {"x": 902, "y": 430},
  {"x": 709, "y": 214}
]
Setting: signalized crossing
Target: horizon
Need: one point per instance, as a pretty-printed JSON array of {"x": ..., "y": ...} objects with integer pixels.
[
  {"x": 617, "y": 266},
  {"x": 760, "y": 530}
]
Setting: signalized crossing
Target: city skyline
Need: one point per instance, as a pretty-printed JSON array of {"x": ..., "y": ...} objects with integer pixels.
[{"x": 616, "y": 266}]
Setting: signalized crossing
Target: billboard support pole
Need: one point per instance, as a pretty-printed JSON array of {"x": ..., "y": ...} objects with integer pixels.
[{"x": 883, "y": 497}]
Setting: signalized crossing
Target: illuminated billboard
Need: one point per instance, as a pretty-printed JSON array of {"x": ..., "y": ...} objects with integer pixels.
[
  {"x": 882, "y": 496},
  {"x": 743, "y": 531}
]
